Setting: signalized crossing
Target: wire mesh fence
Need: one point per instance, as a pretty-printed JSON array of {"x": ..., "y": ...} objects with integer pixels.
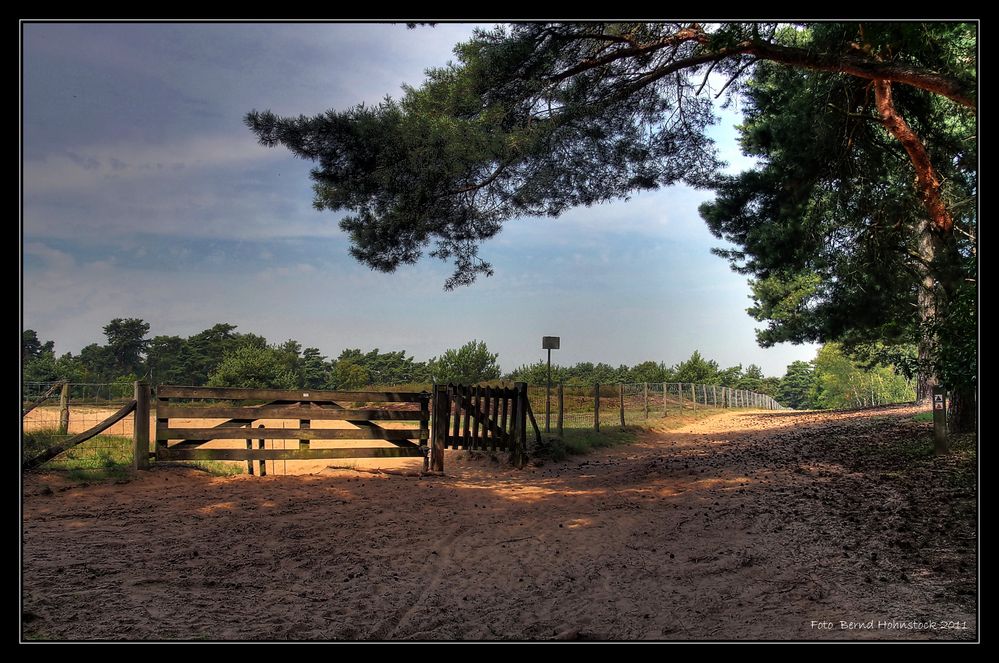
[
  {"x": 629, "y": 404},
  {"x": 59, "y": 411}
]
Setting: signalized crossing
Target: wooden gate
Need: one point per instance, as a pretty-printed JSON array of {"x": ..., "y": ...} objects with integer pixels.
[
  {"x": 480, "y": 419},
  {"x": 240, "y": 409}
]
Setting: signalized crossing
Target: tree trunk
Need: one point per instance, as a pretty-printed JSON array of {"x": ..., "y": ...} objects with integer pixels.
[{"x": 963, "y": 413}]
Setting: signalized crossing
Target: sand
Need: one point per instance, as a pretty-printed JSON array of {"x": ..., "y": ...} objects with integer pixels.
[{"x": 742, "y": 526}]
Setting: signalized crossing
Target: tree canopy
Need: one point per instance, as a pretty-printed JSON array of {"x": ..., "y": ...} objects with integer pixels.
[
  {"x": 858, "y": 226},
  {"x": 535, "y": 118}
]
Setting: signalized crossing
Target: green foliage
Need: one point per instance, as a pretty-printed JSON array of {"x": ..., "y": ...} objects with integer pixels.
[
  {"x": 252, "y": 367},
  {"x": 348, "y": 374},
  {"x": 829, "y": 224},
  {"x": 469, "y": 364},
  {"x": 841, "y": 382},
  {"x": 797, "y": 385},
  {"x": 696, "y": 369},
  {"x": 387, "y": 367},
  {"x": 126, "y": 346}
]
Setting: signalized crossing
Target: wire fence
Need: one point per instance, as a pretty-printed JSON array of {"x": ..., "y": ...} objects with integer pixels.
[
  {"x": 636, "y": 403},
  {"x": 70, "y": 409}
]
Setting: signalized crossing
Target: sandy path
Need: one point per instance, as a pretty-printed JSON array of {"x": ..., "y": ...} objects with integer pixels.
[{"x": 741, "y": 526}]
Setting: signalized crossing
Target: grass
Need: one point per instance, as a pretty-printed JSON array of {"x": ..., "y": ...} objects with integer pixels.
[
  {"x": 216, "y": 467},
  {"x": 102, "y": 458},
  {"x": 923, "y": 416},
  {"x": 578, "y": 441}
]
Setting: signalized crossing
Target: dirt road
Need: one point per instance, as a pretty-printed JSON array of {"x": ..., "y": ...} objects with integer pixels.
[{"x": 769, "y": 526}]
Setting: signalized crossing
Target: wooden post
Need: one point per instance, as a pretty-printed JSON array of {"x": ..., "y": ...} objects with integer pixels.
[
  {"x": 704, "y": 394},
  {"x": 693, "y": 395},
  {"x": 714, "y": 395},
  {"x": 646, "y": 401},
  {"x": 520, "y": 445},
  {"x": 304, "y": 423},
  {"x": 620, "y": 393},
  {"x": 561, "y": 407},
  {"x": 263, "y": 463},
  {"x": 64, "y": 409},
  {"x": 665, "y": 395},
  {"x": 140, "y": 428},
  {"x": 249, "y": 461},
  {"x": 596, "y": 407},
  {"x": 680, "y": 392},
  {"x": 941, "y": 444},
  {"x": 424, "y": 430},
  {"x": 441, "y": 413}
]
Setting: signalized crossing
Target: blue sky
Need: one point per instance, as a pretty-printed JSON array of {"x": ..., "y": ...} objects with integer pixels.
[{"x": 146, "y": 196}]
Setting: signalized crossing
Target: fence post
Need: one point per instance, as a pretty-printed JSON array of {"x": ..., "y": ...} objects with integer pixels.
[
  {"x": 263, "y": 463},
  {"x": 561, "y": 407},
  {"x": 680, "y": 392},
  {"x": 140, "y": 428},
  {"x": 520, "y": 444},
  {"x": 646, "y": 401},
  {"x": 64, "y": 409},
  {"x": 441, "y": 412},
  {"x": 693, "y": 395},
  {"x": 620, "y": 392},
  {"x": 596, "y": 407},
  {"x": 704, "y": 394},
  {"x": 665, "y": 394},
  {"x": 425, "y": 429},
  {"x": 249, "y": 447}
]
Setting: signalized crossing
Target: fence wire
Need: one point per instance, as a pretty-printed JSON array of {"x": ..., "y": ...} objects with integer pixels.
[
  {"x": 70, "y": 410},
  {"x": 636, "y": 403}
]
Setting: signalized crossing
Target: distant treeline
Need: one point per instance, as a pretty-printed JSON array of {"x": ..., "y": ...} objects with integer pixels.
[{"x": 221, "y": 356}]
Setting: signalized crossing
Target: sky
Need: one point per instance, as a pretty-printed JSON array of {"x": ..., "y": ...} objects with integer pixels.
[{"x": 145, "y": 195}]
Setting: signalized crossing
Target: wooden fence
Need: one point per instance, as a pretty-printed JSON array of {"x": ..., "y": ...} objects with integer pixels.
[
  {"x": 240, "y": 409},
  {"x": 479, "y": 418}
]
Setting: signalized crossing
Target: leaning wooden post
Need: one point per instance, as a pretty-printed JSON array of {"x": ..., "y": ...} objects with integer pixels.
[
  {"x": 620, "y": 393},
  {"x": 561, "y": 407},
  {"x": 64, "y": 409},
  {"x": 438, "y": 432},
  {"x": 596, "y": 407},
  {"x": 646, "y": 401},
  {"x": 140, "y": 428},
  {"x": 941, "y": 444}
]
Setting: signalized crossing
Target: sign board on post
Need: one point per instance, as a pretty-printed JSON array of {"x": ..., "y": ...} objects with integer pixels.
[
  {"x": 940, "y": 442},
  {"x": 549, "y": 343}
]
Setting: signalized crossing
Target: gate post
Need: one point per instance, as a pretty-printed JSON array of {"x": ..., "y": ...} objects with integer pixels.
[
  {"x": 140, "y": 428},
  {"x": 520, "y": 438},
  {"x": 425, "y": 429},
  {"x": 442, "y": 411}
]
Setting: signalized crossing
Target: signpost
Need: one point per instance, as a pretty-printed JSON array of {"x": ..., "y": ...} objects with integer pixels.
[
  {"x": 549, "y": 343},
  {"x": 940, "y": 444}
]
